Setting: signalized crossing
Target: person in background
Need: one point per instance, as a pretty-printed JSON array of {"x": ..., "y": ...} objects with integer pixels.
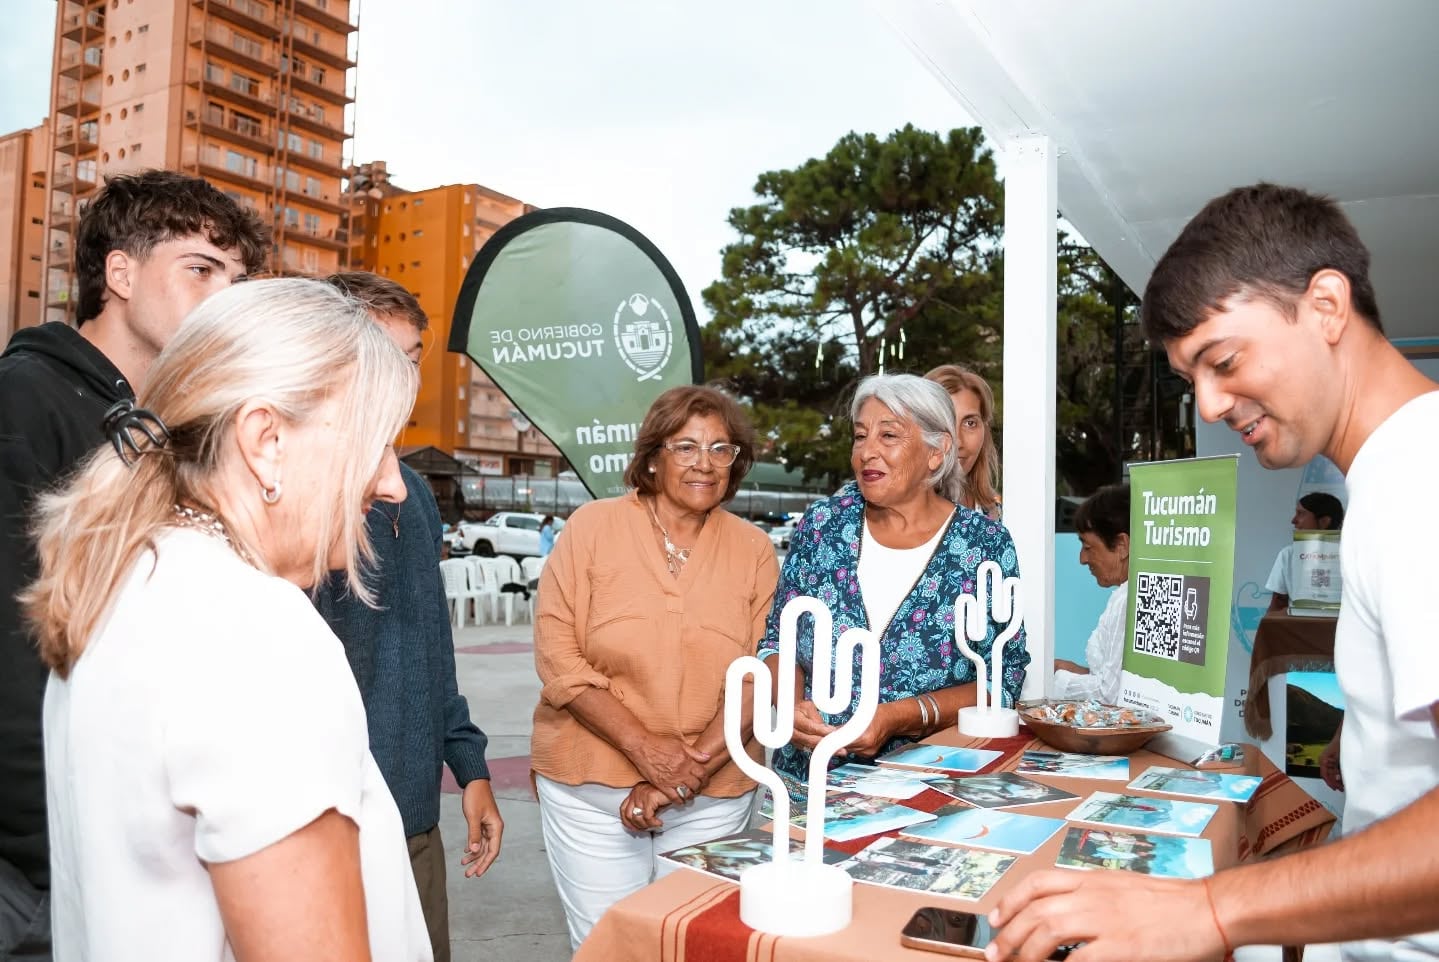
[
  {"x": 402, "y": 654},
  {"x": 1265, "y": 304},
  {"x": 974, "y": 435},
  {"x": 891, "y": 551},
  {"x": 1102, "y": 523},
  {"x": 149, "y": 247},
  {"x": 211, "y": 789},
  {"x": 547, "y": 535},
  {"x": 1316, "y": 511},
  {"x": 642, "y": 606}
]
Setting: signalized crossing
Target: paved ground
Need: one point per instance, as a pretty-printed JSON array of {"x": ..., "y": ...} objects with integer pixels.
[{"x": 512, "y": 912}]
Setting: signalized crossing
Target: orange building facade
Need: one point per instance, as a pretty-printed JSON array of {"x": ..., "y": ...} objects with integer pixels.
[
  {"x": 249, "y": 94},
  {"x": 425, "y": 241},
  {"x": 23, "y": 157}
]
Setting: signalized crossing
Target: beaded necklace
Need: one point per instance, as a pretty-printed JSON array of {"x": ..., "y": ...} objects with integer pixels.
[
  {"x": 209, "y": 523},
  {"x": 675, "y": 558}
]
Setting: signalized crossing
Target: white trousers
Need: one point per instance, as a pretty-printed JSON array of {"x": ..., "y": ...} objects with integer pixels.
[{"x": 596, "y": 860}]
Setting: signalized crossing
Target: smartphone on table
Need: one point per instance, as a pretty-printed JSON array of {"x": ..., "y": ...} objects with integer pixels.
[{"x": 950, "y": 932}]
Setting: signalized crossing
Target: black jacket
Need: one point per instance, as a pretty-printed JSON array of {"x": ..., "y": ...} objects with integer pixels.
[{"x": 55, "y": 388}]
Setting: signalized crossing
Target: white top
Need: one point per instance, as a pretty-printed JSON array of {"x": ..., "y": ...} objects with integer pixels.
[
  {"x": 211, "y": 715},
  {"x": 886, "y": 575},
  {"x": 1279, "y": 575},
  {"x": 1103, "y": 655},
  {"x": 1385, "y": 650}
]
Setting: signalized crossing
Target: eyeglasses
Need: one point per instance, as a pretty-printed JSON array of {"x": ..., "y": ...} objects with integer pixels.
[{"x": 687, "y": 453}]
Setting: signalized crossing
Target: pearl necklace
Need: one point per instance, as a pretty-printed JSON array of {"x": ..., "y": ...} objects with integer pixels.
[{"x": 208, "y": 523}]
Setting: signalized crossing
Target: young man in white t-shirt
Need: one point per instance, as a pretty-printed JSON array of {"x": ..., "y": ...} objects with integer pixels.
[{"x": 1264, "y": 304}]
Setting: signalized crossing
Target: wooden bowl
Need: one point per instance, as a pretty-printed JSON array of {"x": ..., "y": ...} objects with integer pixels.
[{"x": 1091, "y": 741}]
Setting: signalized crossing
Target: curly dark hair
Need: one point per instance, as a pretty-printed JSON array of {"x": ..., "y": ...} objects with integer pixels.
[
  {"x": 135, "y": 212},
  {"x": 380, "y": 296},
  {"x": 1262, "y": 241}
]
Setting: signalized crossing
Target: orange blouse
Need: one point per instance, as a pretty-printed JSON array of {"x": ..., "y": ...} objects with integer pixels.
[{"x": 611, "y": 616}]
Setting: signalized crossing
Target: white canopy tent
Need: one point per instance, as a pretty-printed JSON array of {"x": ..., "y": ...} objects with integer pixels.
[{"x": 1127, "y": 115}]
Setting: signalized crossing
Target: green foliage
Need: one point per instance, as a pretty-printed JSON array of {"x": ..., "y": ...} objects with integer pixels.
[{"x": 885, "y": 254}]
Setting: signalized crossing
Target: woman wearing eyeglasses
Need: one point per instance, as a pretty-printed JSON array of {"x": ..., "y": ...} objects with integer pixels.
[{"x": 643, "y": 604}]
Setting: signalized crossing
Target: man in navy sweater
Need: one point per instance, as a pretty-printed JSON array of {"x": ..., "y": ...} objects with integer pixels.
[{"x": 403, "y": 657}]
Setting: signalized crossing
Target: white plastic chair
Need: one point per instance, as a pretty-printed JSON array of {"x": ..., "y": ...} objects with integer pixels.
[
  {"x": 532, "y": 568},
  {"x": 506, "y": 571},
  {"x": 455, "y": 573},
  {"x": 483, "y": 583}
]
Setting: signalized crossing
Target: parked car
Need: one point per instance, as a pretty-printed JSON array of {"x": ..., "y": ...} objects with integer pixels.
[
  {"x": 514, "y": 533},
  {"x": 780, "y": 536}
]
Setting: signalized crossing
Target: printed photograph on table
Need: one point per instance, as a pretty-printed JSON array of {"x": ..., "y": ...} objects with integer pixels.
[
  {"x": 958, "y": 824},
  {"x": 1197, "y": 784},
  {"x": 727, "y": 857},
  {"x": 1145, "y": 812},
  {"x": 848, "y": 816},
  {"x": 766, "y": 805},
  {"x": 1166, "y": 856},
  {"x": 1004, "y": 790},
  {"x": 959, "y": 873},
  {"x": 1069, "y": 765},
  {"x": 883, "y": 782},
  {"x": 940, "y": 757}
]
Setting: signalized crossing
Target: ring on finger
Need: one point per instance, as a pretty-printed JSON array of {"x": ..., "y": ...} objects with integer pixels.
[
  {"x": 682, "y": 791},
  {"x": 637, "y": 811}
]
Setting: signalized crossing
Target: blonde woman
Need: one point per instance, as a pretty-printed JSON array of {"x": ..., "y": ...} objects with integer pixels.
[
  {"x": 974, "y": 436},
  {"x": 211, "y": 792}
]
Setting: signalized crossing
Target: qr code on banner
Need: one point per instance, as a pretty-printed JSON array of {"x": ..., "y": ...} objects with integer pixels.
[{"x": 1158, "y": 615}]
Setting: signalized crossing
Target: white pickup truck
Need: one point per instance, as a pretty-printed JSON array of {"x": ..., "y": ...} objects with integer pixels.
[{"x": 513, "y": 533}]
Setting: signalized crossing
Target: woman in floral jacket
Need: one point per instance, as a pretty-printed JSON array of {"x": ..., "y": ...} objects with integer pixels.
[{"x": 891, "y": 552}]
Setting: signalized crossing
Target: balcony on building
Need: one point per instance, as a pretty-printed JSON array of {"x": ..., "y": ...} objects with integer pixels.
[
  {"x": 214, "y": 121},
  {"x": 226, "y": 44},
  {"x": 329, "y": 124},
  {"x": 319, "y": 12},
  {"x": 216, "y": 164},
  {"x": 303, "y": 43},
  {"x": 77, "y": 100},
  {"x": 82, "y": 24},
  {"x": 248, "y": 96},
  {"x": 303, "y": 84},
  {"x": 327, "y": 202},
  {"x": 328, "y": 163},
  {"x": 330, "y": 238},
  {"x": 85, "y": 139},
  {"x": 79, "y": 63},
  {"x": 248, "y": 14}
]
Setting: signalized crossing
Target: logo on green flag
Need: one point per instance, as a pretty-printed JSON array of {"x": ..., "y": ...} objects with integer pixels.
[{"x": 582, "y": 323}]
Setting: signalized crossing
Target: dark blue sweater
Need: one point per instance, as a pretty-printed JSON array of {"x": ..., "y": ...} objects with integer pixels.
[{"x": 403, "y": 657}]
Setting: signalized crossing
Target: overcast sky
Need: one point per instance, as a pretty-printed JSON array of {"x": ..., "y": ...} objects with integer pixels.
[{"x": 659, "y": 113}]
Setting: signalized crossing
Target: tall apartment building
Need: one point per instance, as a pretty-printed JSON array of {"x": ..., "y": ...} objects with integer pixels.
[
  {"x": 249, "y": 94},
  {"x": 425, "y": 240},
  {"x": 23, "y": 158}
]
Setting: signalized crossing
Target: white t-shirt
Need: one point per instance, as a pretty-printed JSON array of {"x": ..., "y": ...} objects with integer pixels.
[
  {"x": 211, "y": 715},
  {"x": 886, "y": 575},
  {"x": 1386, "y": 649},
  {"x": 1103, "y": 655},
  {"x": 1279, "y": 575}
]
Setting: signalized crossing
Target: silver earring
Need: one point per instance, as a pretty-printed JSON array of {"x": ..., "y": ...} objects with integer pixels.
[
  {"x": 271, "y": 495},
  {"x": 652, "y": 469}
]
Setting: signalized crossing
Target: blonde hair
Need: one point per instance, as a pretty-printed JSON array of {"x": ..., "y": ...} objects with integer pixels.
[
  {"x": 983, "y": 481},
  {"x": 293, "y": 344}
]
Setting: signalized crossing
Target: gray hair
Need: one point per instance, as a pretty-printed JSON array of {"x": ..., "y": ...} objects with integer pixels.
[{"x": 927, "y": 405}]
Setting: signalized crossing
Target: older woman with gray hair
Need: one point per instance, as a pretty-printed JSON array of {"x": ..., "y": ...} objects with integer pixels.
[{"x": 891, "y": 552}]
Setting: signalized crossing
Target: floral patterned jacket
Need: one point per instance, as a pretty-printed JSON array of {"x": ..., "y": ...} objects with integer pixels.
[{"x": 918, "y": 647}]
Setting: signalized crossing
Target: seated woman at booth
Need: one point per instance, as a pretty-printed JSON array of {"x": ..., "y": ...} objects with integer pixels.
[
  {"x": 891, "y": 552},
  {"x": 1102, "y": 523},
  {"x": 1316, "y": 511}
]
